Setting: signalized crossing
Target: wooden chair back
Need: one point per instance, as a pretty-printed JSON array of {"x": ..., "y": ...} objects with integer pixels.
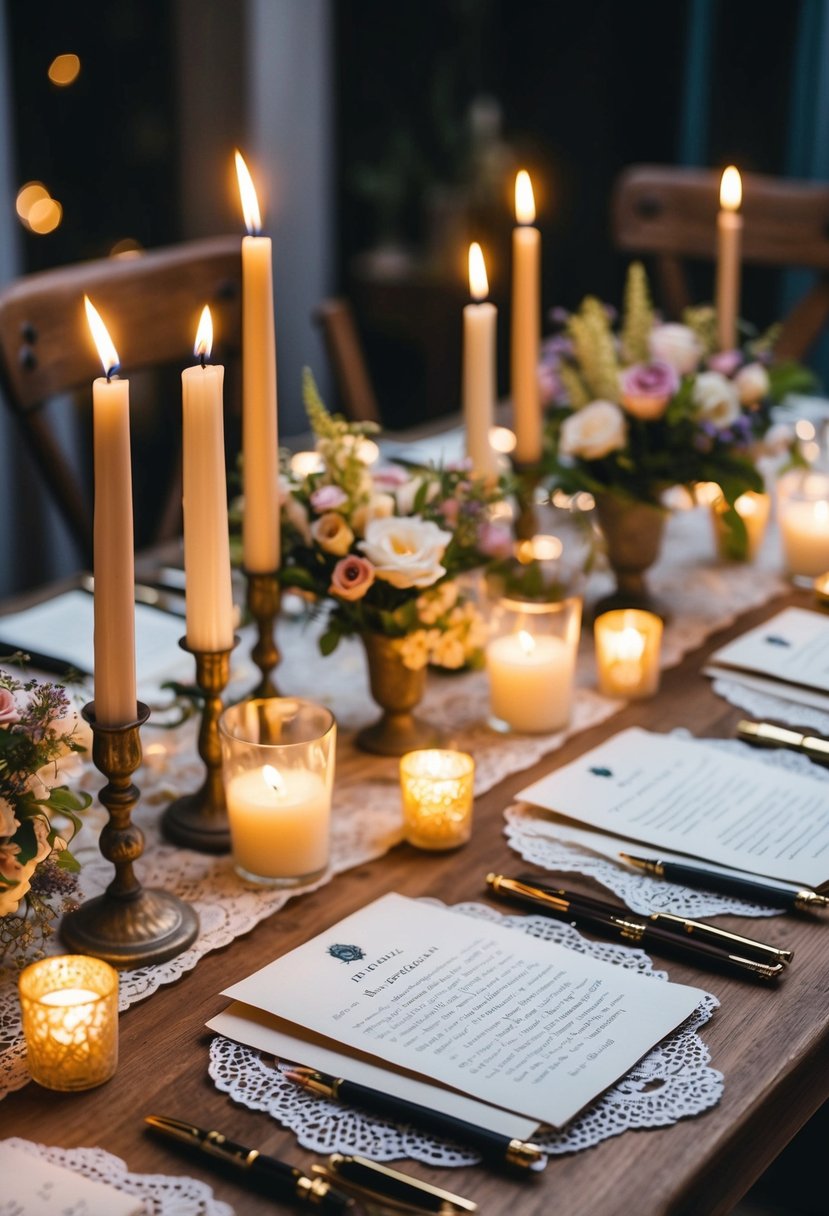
[
  {"x": 150, "y": 304},
  {"x": 671, "y": 213},
  {"x": 345, "y": 355}
]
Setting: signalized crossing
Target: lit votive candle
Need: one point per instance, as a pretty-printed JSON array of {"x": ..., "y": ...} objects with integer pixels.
[
  {"x": 278, "y": 760},
  {"x": 437, "y": 789},
  {"x": 754, "y": 510},
  {"x": 70, "y": 1021},
  {"x": 531, "y": 664},
  {"x": 628, "y": 641},
  {"x": 803, "y": 516}
]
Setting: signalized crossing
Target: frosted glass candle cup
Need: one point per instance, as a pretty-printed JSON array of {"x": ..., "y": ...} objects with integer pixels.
[
  {"x": 531, "y": 662},
  {"x": 437, "y": 790},
  {"x": 754, "y": 510},
  {"x": 803, "y": 517},
  {"x": 278, "y": 757},
  {"x": 70, "y": 1021},
  {"x": 628, "y": 642}
]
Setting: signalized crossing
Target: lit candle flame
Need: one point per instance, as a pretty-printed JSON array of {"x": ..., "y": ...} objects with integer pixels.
[
  {"x": 106, "y": 348},
  {"x": 478, "y": 282},
  {"x": 524, "y": 198},
  {"x": 502, "y": 439},
  {"x": 247, "y": 193},
  {"x": 526, "y": 641},
  {"x": 274, "y": 779},
  {"x": 204, "y": 335},
  {"x": 628, "y": 645},
  {"x": 731, "y": 189}
]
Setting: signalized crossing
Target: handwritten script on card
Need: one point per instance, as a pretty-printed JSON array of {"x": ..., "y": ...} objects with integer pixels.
[{"x": 520, "y": 1023}]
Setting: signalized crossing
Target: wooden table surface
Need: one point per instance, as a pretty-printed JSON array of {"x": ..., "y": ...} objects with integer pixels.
[{"x": 771, "y": 1045}]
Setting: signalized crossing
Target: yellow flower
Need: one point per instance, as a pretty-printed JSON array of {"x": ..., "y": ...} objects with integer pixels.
[{"x": 332, "y": 533}]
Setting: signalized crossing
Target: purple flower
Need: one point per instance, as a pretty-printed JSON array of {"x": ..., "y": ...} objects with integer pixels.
[
  {"x": 647, "y": 388},
  {"x": 725, "y": 362},
  {"x": 328, "y": 498}
]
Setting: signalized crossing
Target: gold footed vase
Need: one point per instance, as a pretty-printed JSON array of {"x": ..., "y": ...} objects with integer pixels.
[
  {"x": 397, "y": 690},
  {"x": 633, "y": 538}
]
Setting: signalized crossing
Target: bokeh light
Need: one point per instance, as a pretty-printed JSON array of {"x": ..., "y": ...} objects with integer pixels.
[{"x": 64, "y": 70}]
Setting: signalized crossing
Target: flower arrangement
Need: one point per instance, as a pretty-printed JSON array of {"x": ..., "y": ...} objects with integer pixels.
[
  {"x": 385, "y": 546},
  {"x": 644, "y": 406},
  {"x": 37, "y": 731}
]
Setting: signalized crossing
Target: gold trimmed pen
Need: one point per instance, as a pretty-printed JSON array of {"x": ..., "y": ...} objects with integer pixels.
[
  {"x": 626, "y": 927},
  {"x": 767, "y": 734},
  {"x": 752, "y": 889}
]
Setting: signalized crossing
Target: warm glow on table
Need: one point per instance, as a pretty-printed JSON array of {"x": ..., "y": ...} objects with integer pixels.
[
  {"x": 70, "y": 1021},
  {"x": 437, "y": 790},
  {"x": 628, "y": 641},
  {"x": 729, "y": 236}
]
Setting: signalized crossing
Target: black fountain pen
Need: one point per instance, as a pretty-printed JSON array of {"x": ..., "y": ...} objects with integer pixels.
[
  {"x": 752, "y": 889},
  {"x": 682, "y": 926},
  {"x": 277, "y": 1178},
  {"x": 520, "y": 1153},
  {"x": 627, "y": 928}
]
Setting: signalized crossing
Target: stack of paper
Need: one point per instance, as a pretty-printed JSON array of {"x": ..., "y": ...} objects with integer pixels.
[{"x": 787, "y": 656}]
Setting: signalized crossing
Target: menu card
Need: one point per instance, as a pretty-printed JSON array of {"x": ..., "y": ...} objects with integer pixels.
[
  {"x": 685, "y": 795},
  {"x": 520, "y": 1023},
  {"x": 787, "y": 656}
]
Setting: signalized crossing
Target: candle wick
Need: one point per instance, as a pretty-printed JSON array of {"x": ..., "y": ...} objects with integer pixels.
[
  {"x": 203, "y": 359},
  {"x": 112, "y": 372}
]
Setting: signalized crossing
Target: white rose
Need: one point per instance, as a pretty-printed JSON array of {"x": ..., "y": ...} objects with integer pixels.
[
  {"x": 379, "y": 506},
  {"x": 752, "y": 383},
  {"x": 594, "y": 431},
  {"x": 677, "y": 345},
  {"x": 406, "y": 552},
  {"x": 716, "y": 399}
]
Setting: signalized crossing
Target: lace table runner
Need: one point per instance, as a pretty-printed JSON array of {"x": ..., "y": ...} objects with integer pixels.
[
  {"x": 162, "y": 1194},
  {"x": 548, "y": 842},
  {"x": 674, "y": 1081},
  {"x": 367, "y": 819}
]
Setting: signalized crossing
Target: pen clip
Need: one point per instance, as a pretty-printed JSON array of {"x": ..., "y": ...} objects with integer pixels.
[{"x": 370, "y": 1180}]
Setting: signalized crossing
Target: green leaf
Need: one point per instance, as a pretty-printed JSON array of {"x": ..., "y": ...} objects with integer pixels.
[{"x": 330, "y": 640}]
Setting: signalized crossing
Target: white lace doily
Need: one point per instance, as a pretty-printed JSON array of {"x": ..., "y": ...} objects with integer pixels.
[
  {"x": 763, "y": 705},
  {"x": 161, "y": 1194},
  {"x": 367, "y": 816},
  {"x": 548, "y": 842},
  {"x": 674, "y": 1081}
]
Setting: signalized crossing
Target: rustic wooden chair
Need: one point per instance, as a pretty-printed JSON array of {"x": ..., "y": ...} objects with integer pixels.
[
  {"x": 151, "y": 305},
  {"x": 670, "y": 213},
  {"x": 335, "y": 319}
]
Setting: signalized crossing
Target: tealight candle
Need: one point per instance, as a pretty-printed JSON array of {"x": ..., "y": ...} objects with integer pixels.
[
  {"x": 70, "y": 1021},
  {"x": 437, "y": 789},
  {"x": 628, "y": 641},
  {"x": 803, "y": 516},
  {"x": 531, "y": 667},
  {"x": 278, "y": 757},
  {"x": 754, "y": 510}
]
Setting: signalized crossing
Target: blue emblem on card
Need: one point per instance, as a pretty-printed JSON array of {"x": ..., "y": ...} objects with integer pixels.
[
  {"x": 599, "y": 771},
  {"x": 774, "y": 639},
  {"x": 346, "y": 954}
]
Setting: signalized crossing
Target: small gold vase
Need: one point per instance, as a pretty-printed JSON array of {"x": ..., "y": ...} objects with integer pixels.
[
  {"x": 633, "y": 536},
  {"x": 397, "y": 690}
]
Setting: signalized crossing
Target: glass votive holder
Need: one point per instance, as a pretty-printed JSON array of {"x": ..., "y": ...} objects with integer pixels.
[
  {"x": 278, "y": 756},
  {"x": 628, "y": 642},
  {"x": 531, "y": 663},
  {"x": 70, "y": 1021},
  {"x": 437, "y": 789},
  {"x": 803, "y": 518},
  {"x": 754, "y": 510}
]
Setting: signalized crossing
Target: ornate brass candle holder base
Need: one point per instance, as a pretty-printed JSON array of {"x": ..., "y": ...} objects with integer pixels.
[
  {"x": 199, "y": 821},
  {"x": 263, "y": 601},
  {"x": 397, "y": 690},
  {"x": 528, "y": 477},
  {"x": 128, "y": 925}
]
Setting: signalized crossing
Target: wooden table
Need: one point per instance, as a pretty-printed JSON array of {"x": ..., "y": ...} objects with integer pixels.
[{"x": 772, "y": 1045}]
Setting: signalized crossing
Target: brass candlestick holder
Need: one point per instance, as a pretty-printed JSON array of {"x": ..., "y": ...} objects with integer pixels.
[
  {"x": 263, "y": 602},
  {"x": 528, "y": 477},
  {"x": 199, "y": 821},
  {"x": 128, "y": 926}
]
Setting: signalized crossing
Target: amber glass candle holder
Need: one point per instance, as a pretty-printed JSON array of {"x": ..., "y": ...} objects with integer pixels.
[
  {"x": 437, "y": 788},
  {"x": 70, "y": 1021},
  {"x": 628, "y": 643}
]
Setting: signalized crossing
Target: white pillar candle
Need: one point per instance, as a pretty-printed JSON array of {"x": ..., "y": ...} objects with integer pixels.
[
  {"x": 279, "y": 821},
  {"x": 209, "y": 600},
  {"x": 531, "y": 681},
  {"x": 113, "y": 556},
  {"x": 729, "y": 235},
  {"x": 526, "y": 324},
  {"x": 480, "y": 321},
  {"x": 804, "y": 530},
  {"x": 260, "y": 441}
]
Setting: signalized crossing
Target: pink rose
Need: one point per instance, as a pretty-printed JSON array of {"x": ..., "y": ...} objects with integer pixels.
[
  {"x": 390, "y": 477},
  {"x": 725, "y": 362},
  {"x": 328, "y": 498},
  {"x": 647, "y": 388},
  {"x": 495, "y": 539},
  {"x": 9, "y": 712},
  {"x": 351, "y": 578},
  {"x": 449, "y": 510}
]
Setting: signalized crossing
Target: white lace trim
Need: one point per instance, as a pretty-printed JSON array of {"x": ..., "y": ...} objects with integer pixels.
[
  {"x": 367, "y": 819},
  {"x": 674, "y": 1081},
  {"x": 162, "y": 1194}
]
